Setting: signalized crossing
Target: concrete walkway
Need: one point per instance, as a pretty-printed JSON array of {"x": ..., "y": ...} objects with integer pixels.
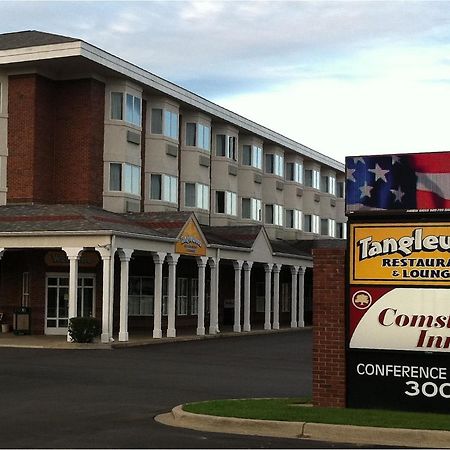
[
  {"x": 136, "y": 340},
  {"x": 348, "y": 434}
]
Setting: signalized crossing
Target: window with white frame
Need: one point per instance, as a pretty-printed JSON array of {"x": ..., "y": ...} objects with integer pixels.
[
  {"x": 182, "y": 296},
  {"x": 226, "y": 202},
  {"x": 125, "y": 177},
  {"x": 165, "y": 296},
  {"x": 252, "y": 156},
  {"x": 340, "y": 189},
  {"x": 294, "y": 172},
  {"x": 294, "y": 219},
  {"x": 311, "y": 223},
  {"x": 312, "y": 178},
  {"x": 274, "y": 214},
  {"x": 156, "y": 121},
  {"x": 164, "y": 187},
  {"x": 171, "y": 124},
  {"x": 275, "y": 164},
  {"x": 198, "y": 135},
  {"x": 26, "y": 289},
  {"x": 194, "y": 297},
  {"x": 328, "y": 184},
  {"x": 132, "y": 108},
  {"x": 226, "y": 146},
  {"x": 328, "y": 227},
  {"x": 251, "y": 209},
  {"x": 341, "y": 230},
  {"x": 140, "y": 296},
  {"x": 196, "y": 195}
]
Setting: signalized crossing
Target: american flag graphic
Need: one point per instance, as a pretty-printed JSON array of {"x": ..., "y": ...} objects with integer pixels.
[{"x": 418, "y": 181}]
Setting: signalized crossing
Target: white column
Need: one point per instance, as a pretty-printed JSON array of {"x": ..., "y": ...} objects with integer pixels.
[
  {"x": 158, "y": 259},
  {"x": 214, "y": 296},
  {"x": 73, "y": 254},
  {"x": 276, "y": 296},
  {"x": 237, "y": 295},
  {"x": 247, "y": 269},
  {"x": 301, "y": 296},
  {"x": 294, "y": 272},
  {"x": 268, "y": 296},
  {"x": 105, "y": 253},
  {"x": 125, "y": 257},
  {"x": 201, "y": 264},
  {"x": 172, "y": 260}
]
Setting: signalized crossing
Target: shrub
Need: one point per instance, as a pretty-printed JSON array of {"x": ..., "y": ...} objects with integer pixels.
[{"x": 84, "y": 329}]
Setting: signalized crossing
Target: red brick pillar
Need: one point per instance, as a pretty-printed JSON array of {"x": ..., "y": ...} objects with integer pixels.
[{"x": 329, "y": 324}]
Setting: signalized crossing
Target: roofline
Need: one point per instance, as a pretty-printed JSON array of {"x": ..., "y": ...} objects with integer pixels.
[
  {"x": 305, "y": 257},
  {"x": 99, "y": 56}
]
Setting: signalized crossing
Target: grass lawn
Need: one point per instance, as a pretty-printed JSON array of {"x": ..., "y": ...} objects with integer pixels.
[{"x": 291, "y": 409}]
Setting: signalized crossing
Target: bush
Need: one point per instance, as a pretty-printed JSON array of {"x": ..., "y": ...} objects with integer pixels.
[{"x": 84, "y": 329}]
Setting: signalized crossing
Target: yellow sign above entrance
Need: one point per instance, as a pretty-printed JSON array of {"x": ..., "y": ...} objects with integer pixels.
[
  {"x": 393, "y": 254},
  {"x": 190, "y": 240}
]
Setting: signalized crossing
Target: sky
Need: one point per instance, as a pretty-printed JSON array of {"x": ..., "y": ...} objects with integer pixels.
[{"x": 341, "y": 77}]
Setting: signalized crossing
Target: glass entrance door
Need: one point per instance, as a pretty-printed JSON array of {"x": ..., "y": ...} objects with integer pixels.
[{"x": 57, "y": 309}]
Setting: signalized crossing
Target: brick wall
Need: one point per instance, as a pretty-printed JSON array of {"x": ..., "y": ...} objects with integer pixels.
[
  {"x": 55, "y": 135},
  {"x": 329, "y": 378}
]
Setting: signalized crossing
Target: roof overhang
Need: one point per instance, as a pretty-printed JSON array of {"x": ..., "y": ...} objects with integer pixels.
[{"x": 147, "y": 79}]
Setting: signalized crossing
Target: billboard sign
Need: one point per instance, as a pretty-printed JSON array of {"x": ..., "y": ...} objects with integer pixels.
[
  {"x": 401, "y": 253},
  {"x": 398, "y": 297},
  {"x": 401, "y": 183}
]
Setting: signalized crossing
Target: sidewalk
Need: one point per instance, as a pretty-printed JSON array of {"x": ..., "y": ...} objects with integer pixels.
[
  {"x": 347, "y": 434},
  {"x": 135, "y": 340}
]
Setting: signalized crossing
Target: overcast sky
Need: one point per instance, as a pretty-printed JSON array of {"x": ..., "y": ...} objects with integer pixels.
[{"x": 342, "y": 77}]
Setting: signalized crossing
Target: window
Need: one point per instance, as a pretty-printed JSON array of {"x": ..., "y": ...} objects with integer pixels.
[
  {"x": 26, "y": 289},
  {"x": 274, "y": 214},
  {"x": 285, "y": 297},
  {"x": 226, "y": 146},
  {"x": 275, "y": 164},
  {"x": 125, "y": 177},
  {"x": 221, "y": 145},
  {"x": 171, "y": 124},
  {"x": 117, "y": 105},
  {"x": 203, "y": 137},
  {"x": 294, "y": 219},
  {"x": 194, "y": 296},
  {"x": 232, "y": 153},
  {"x": 226, "y": 202},
  {"x": 140, "y": 296},
  {"x": 133, "y": 108},
  {"x": 157, "y": 115},
  {"x": 312, "y": 178},
  {"x": 260, "y": 296},
  {"x": 328, "y": 227},
  {"x": 196, "y": 195},
  {"x": 251, "y": 209},
  {"x": 311, "y": 223},
  {"x": 182, "y": 297},
  {"x": 191, "y": 134},
  {"x": 340, "y": 189},
  {"x": 115, "y": 177},
  {"x": 252, "y": 156},
  {"x": 198, "y": 135},
  {"x": 164, "y": 187},
  {"x": 341, "y": 230},
  {"x": 294, "y": 172},
  {"x": 328, "y": 184}
]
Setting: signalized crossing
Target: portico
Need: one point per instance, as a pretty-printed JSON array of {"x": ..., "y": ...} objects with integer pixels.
[{"x": 149, "y": 281}]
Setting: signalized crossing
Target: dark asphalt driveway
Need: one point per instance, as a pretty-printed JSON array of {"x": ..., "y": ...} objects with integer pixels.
[{"x": 107, "y": 398}]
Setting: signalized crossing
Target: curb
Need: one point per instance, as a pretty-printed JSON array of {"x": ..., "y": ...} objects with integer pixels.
[{"x": 349, "y": 434}]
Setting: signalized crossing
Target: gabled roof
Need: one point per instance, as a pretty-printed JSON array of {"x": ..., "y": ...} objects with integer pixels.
[
  {"x": 31, "y": 38},
  {"x": 232, "y": 236}
]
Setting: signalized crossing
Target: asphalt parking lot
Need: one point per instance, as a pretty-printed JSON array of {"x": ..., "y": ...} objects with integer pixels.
[{"x": 108, "y": 398}]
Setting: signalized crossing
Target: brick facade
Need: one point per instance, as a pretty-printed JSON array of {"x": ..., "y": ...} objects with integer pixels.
[
  {"x": 55, "y": 135},
  {"x": 329, "y": 373}
]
